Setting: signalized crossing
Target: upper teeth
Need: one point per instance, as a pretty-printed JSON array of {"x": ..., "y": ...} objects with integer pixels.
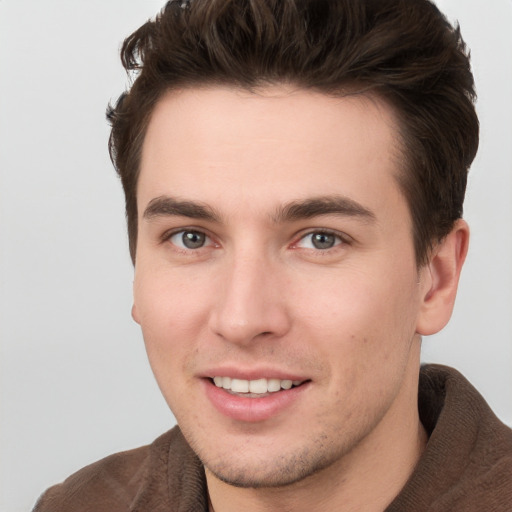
[{"x": 254, "y": 386}]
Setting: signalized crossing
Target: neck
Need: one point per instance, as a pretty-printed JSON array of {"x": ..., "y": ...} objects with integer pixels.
[{"x": 368, "y": 478}]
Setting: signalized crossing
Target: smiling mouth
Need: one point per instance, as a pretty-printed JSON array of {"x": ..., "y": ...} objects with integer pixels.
[{"x": 258, "y": 388}]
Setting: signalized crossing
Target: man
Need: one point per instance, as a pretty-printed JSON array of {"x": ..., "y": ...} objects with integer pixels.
[{"x": 294, "y": 174}]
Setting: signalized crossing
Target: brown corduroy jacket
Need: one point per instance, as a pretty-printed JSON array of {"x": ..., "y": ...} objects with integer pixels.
[{"x": 466, "y": 467}]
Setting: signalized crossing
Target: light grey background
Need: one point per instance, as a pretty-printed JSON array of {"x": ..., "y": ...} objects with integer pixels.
[{"x": 75, "y": 383}]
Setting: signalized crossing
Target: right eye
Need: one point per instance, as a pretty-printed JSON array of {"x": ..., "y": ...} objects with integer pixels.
[{"x": 190, "y": 239}]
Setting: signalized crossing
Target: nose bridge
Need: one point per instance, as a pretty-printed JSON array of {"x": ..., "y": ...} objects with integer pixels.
[{"x": 249, "y": 302}]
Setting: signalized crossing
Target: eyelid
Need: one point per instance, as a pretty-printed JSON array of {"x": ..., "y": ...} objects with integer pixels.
[
  {"x": 344, "y": 239},
  {"x": 167, "y": 235}
]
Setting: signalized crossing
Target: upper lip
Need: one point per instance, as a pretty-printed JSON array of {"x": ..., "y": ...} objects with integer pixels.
[{"x": 252, "y": 373}]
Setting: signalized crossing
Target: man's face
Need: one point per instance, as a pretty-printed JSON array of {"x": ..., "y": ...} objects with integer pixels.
[{"x": 275, "y": 250}]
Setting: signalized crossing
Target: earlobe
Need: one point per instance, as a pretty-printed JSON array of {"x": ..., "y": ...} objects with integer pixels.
[
  {"x": 441, "y": 278},
  {"x": 135, "y": 315}
]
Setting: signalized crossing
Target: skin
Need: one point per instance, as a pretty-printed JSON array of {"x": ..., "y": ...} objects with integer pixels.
[{"x": 258, "y": 296}]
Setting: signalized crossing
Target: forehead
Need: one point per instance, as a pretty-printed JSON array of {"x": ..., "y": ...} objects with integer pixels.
[{"x": 273, "y": 145}]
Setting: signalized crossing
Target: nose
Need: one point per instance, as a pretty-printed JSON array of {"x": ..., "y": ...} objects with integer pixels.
[{"x": 251, "y": 301}]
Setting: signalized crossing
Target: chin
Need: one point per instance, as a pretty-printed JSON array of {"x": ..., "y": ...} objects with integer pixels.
[{"x": 277, "y": 470}]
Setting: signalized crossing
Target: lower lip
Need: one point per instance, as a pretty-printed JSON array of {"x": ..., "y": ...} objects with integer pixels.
[{"x": 252, "y": 410}]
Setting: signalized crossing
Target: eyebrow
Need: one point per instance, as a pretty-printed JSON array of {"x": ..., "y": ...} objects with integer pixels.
[
  {"x": 323, "y": 205},
  {"x": 164, "y": 206}
]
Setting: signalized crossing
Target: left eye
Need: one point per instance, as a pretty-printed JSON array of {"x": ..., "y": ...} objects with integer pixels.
[
  {"x": 319, "y": 240},
  {"x": 190, "y": 239}
]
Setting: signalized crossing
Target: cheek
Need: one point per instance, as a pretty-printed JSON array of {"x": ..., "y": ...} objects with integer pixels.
[
  {"x": 168, "y": 304},
  {"x": 360, "y": 319},
  {"x": 363, "y": 329},
  {"x": 172, "y": 317}
]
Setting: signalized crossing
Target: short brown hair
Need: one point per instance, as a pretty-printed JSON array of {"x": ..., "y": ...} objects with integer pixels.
[{"x": 403, "y": 50}]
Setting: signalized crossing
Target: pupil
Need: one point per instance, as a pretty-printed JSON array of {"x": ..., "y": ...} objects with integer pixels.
[
  {"x": 323, "y": 240},
  {"x": 193, "y": 239}
]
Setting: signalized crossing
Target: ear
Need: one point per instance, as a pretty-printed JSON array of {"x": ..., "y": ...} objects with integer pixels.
[
  {"x": 135, "y": 315},
  {"x": 440, "y": 279}
]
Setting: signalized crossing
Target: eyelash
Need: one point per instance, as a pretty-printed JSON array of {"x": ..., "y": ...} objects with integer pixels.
[
  {"x": 340, "y": 239},
  {"x": 167, "y": 237}
]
